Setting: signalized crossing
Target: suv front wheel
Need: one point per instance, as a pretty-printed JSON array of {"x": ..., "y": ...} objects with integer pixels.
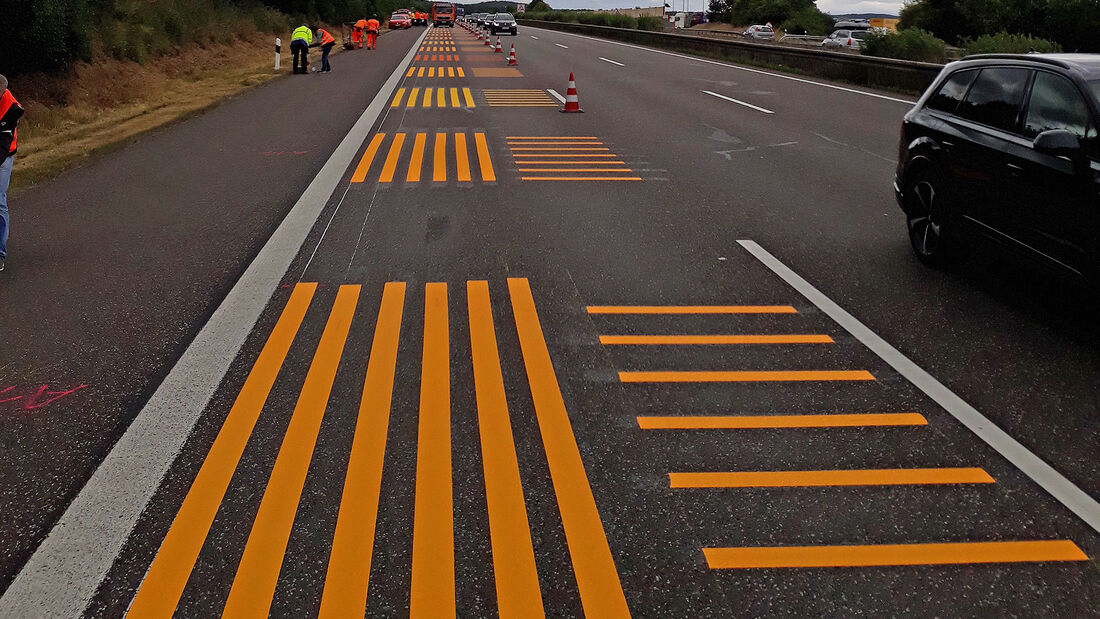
[{"x": 929, "y": 220}]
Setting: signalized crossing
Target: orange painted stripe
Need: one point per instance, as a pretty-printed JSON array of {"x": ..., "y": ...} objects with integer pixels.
[
  {"x": 454, "y": 98},
  {"x": 160, "y": 591},
  {"x": 461, "y": 73},
  {"x": 433, "y": 559},
  {"x": 416, "y": 162},
  {"x": 254, "y": 583},
  {"x": 636, "y": 340},
  {"x": 412, "y": 97},
  {"x": 593, "y": 566},
  {"x": 606, "y": 163},
  {"x": 411, "y": 71},
  {"x": 893, "y": 554},
  {"x": 551, "y": 137},
  {"x": 743, "y": 376},
  {"x": 427, "y": 97},
  {"x": 431, "y": 71},
  {"x": 390, "y": 166},
  {"x": 483, "y": 159},
  {"x": 578, "y": 150},
  {"x": 468, "y": 97},
  {"x": 345, "y": 592},
  {"x": 618, "y": 170},
  {"x": 439, "y": 169},
  {"x": 450, "y": 71},
  {"x": 420, "y": 73},
  {"x": 691, "y": 309},
  {"x": 417, "y": 58},
  {"x": 441, "y": 97},
  {"x": 462, "y": 157},
  {"x": 579, "y": 178},
  {"x": 363, "y": 168},
  {"x": 780, "y": 421},
  {"x": 517, "y": 580},
  {"x": 518, "y": 157},
  {"x": 539, "y": 98},
  {"x": 862, "y": 477}
]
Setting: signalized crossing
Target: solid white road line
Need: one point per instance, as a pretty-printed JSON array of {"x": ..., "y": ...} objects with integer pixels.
[
  {"x": 1034, "y": 467},
  {"x": 562, "y": 46},
  {"x": 554, "y": 93},
  {"x": 611, "y": 61},
  {"x": 534, "y": 37},
  {"x": 63, "y": 574},
  {"x": 758, "y": 109},
  {"x": 747, "y": 69}
]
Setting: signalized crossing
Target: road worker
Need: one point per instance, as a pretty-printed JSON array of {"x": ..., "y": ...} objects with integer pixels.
[
  {"x": 10, "y": 112},
  {"x": 357, "y": 33},
  {"x": 372, "y": 32},
  {"x": 300, "y": 42},
  {"x": 327, "y": 42}
]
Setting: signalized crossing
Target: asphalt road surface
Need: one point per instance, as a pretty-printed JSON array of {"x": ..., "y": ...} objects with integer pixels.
[{"x": 404, "y": 339}]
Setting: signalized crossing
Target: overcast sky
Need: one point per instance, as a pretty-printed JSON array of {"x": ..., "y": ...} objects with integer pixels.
[{"x": 829, "y": 6}]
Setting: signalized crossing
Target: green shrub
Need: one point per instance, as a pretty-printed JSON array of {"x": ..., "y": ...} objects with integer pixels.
[
  {"x": 808, "y": 21},
  {"x": 649, "y": 22},
  {"x": 621, "y": 21},
  {"x": 1004, "y": 43},
  {"x": 910, "y": 44}
]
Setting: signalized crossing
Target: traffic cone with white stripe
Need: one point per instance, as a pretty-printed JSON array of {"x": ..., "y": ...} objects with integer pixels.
[
  {"x": 572, "y": 103},
  {"x": 487, "y": 41},
  {"x": 479, "y": 34},
  {"x": 499, "y": 49},
  {"x": 512, "y": 55}
]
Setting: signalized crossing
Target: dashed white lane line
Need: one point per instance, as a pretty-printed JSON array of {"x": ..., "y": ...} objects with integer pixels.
[
  {"x": 534, "y": 37},
  {"x": 611, "y": 61},
  {"x": 755, "y": 107},
  {"x": 64, "y": 572},
  {"x": 554, "y": 93},
  {"x": 746, "y": 69},
  {"x": 562, "y": 46},
  {"x": 1062, "y": 489}
]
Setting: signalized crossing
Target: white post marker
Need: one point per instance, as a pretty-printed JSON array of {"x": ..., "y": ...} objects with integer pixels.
[{"x": 278, "y": 54}]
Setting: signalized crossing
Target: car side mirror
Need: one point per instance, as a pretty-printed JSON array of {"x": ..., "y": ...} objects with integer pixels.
[{"x": 1058, "y": 142}]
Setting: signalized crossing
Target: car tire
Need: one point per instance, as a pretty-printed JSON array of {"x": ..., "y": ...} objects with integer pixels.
[{"x": 930, "y": 221}]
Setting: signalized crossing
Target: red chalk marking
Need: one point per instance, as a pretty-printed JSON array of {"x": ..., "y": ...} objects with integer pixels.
[
  {"x": 9, "y": 399},
  {"x": 41, "y": 397}
]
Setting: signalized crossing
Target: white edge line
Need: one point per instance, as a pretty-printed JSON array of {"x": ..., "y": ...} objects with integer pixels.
[
  {"x": 611, "y": 61},
  {"x": 554, "y": 93},
  {"x": 1031, "y": 465},
  {"x": 758, "y": 109},
  {"x": 65, "y": 570},
  {"x": 562, "y": 46},
  {"x": 740, "y": 68}
]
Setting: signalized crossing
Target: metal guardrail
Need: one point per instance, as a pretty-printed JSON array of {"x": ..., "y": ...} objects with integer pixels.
[{"x": 903, "y": 75}]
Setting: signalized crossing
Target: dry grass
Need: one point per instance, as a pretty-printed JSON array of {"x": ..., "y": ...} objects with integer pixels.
[{"x": 100, "y": 105}]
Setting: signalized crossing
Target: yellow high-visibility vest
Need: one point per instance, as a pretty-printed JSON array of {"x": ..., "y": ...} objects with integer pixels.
[{"x": 303, "y": 33}]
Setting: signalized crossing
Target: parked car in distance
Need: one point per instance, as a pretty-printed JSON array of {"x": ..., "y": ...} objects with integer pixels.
[
  {"x": 503, "y": 22},
  {"x": 483, "y": 19},
  {"x": 850, "y": 39},
  {"x": 762, "y": 33},
  {"x": 400, "y": 20},
  {"x": 1003, "y": 150}
]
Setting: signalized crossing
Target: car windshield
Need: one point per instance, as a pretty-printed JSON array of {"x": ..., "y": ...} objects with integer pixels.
[
  {"x": 503, "y": 17},
  {"x": 765, "y": 29},
  {"x": 861, "y": 34}
]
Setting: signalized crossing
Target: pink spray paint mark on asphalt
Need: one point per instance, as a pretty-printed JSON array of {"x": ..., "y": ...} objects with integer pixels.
[{"x": 30, "y": 399}]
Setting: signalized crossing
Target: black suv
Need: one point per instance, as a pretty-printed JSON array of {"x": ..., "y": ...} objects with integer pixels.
[{"x": 1005, "y": 148}]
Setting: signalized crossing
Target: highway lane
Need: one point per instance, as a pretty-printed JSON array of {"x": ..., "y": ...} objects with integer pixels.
[{"x": 447, "y": 203}]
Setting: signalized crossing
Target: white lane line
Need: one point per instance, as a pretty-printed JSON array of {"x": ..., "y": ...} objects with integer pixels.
[
  {"x": 1031, "y": 465},
  {"x": 740, "y": 68},
  {"x": 758, "y": 109},
  {"x": 562, "y": 46},
  {"x": 534, "y": 37},
  {"x": 63, "y": 574},
  {"x": 554, "y": 93},
  {"x": 611, "y": 61}
]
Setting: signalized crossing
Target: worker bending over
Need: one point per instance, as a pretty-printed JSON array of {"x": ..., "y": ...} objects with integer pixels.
[
  {"x": 372, "y": 32},
  {"x": 327, "y": 42},
  {"x": 300, "y": 42},
  {"x": 357, "y": 33}
]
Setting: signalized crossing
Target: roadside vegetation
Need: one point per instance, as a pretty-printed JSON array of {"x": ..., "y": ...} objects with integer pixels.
[{"x": 595, "y": 18}]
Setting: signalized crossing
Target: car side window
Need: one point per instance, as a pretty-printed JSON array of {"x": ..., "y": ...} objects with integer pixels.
[
  {"x": 996, "y": 98},
  {"x": 951, "y": 93},
  {"x": 1056, "y": 104}
]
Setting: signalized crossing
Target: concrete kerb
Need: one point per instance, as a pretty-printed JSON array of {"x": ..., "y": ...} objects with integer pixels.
[{"x": 900, "y": 75}]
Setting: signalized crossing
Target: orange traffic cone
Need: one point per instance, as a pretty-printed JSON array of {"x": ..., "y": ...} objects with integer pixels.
[
  {"x": 487, "y": 41},
  {"x": 512, "y": 55},
  {"x": 572, "y": 104},
  {"x": 479, "y": 34},
  {"x": 499, "y": 49}
]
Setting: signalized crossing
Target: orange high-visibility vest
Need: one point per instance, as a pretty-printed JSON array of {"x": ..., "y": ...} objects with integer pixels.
[
  {"x": 10, "y": 111},
  {"x": 361, "y": 24},
  {"x": 372, "y": 25},
  {"x": 326, "y": 38}
]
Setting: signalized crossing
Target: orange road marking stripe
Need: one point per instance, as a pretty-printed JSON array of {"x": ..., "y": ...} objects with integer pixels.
[
  {"x": 577, "y": 150},
  {"x": 579, "y": 178},
  {"x": 345, "y": 592},
  {"x": 417, "y": 58},
  {"x": 417, "y": 158},
  {"x": 518, "y": 156},
  {"x": 420, "y": 73},
  {"x": 160, "y": 591},
  {"x": 893, "y": 554},
  {"x": 450, "y": 71},
  {"x": 462, "y": 157},
  {"x": 691, "y": 309},
  {"x": 411, "y": 71},
  {"x": 545, "y": 143},
  {"x": 555, "y": 162},
  {"x": 427, "y": 97},
  {"x": 517, "y": 580},
  {"x": 744, "y": 376},
  {"x": 550, "y": 137},
  {"x": 441, "y": 97},
  {"x": 461, "y": 73},
  {"x": 431, "y": 71},
  {"x": 433, "y": 562},
  {"x": 594, "y": 567},
  {"x": 439, "y": 170},
  {"x": 469, "y": 97},
  {"x": 254, "y": 584},
  {"x": 780, "y": 421},
  {"x": 390, "y": 166},
  {"x": 412, "y": 97},
  {"x": 454, "y": 98},
  {"x": 361, "y": 170},
  {"x": 487, "y": 173},
  {"x": 866, "y": 477},
  {"x": 397, "y": 99},
  {"x": 632, "y": 340},
  {"x": 573, "y": 170}
]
